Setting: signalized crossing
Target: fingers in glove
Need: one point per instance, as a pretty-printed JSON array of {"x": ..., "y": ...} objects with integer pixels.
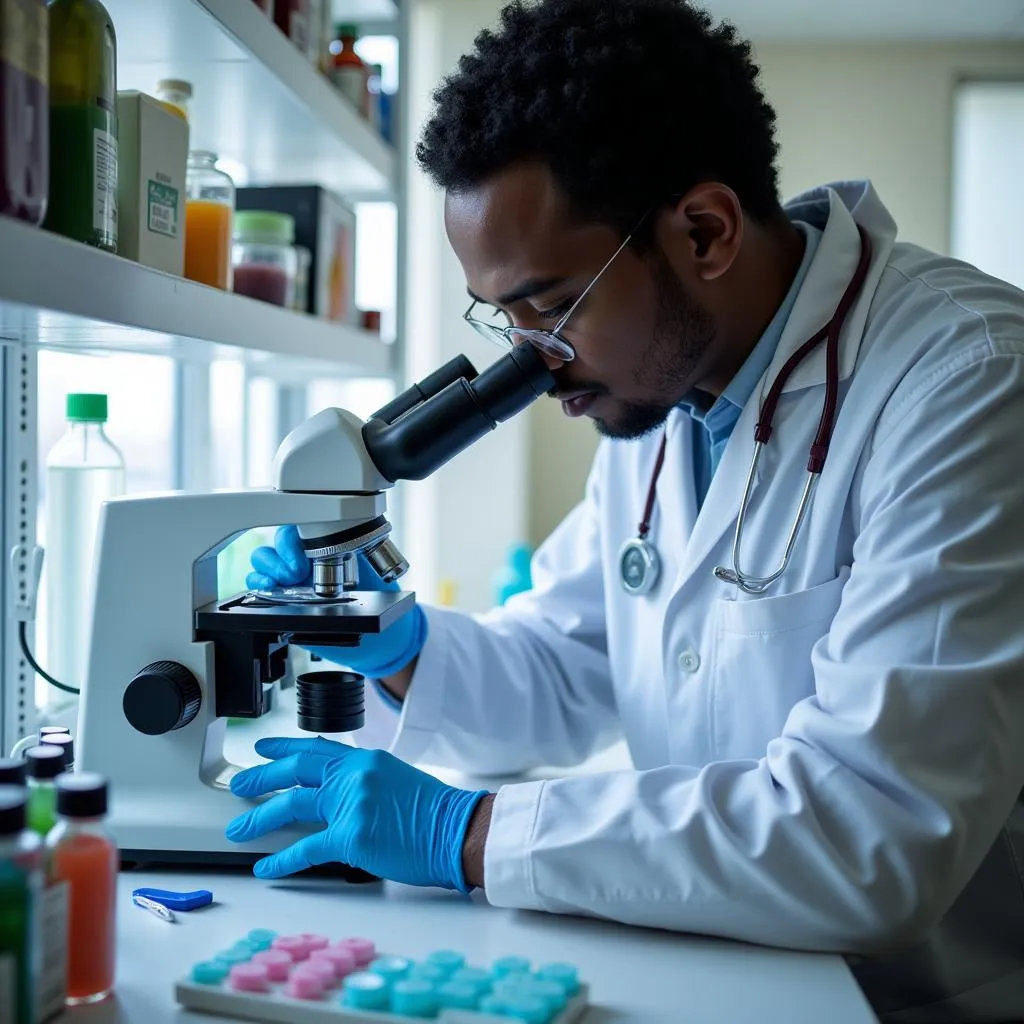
[
  {"x": 305, "y": 769},
  {"x": 298, "y": 804},
  {"x": 303, "y": 854}
]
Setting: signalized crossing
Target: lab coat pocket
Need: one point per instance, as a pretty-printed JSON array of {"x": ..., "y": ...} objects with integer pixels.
[{"x": 762, "y": 664}]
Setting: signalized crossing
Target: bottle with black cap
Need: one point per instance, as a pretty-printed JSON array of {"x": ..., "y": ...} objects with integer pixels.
[
  {"x": 53, "y": 730},
  {"x": 63, "y": 742},
  {"x": 42, "y": 766},
  {"x": 83, "y": 855},
  {"x": 21, "y": 877},
  {"x": 12, "y": 772}
]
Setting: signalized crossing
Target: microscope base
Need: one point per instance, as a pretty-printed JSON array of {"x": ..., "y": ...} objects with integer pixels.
[{"x": 146, "y": 860}]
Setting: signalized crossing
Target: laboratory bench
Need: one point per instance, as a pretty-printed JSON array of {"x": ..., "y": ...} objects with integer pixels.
[{"x": 636, "y": 975}]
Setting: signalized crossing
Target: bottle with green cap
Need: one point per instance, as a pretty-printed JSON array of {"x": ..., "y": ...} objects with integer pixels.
[{"x": 83, "y": 469}]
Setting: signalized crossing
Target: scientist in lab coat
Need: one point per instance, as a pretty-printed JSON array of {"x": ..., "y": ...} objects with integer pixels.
[{"x": 834, "y": 763}]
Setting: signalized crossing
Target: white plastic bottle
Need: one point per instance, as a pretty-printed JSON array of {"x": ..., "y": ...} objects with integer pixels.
[{"x": 83, "y": 469}]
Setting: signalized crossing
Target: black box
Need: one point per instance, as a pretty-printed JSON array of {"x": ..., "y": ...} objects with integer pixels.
[{"x": 324, "y": 226}]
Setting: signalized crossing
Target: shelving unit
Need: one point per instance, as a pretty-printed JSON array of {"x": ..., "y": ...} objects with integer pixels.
[
  {"x": 106, "y": 303},
  {"x": 258, "y": 100},
  {"x": 261, "y": 103}
]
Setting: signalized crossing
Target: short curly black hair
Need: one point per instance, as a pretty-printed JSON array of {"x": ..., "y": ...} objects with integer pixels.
[{"x": 627, "y": 101}]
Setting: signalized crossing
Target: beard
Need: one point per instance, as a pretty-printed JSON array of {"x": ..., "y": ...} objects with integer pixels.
[{"x": 683, "y": 332}]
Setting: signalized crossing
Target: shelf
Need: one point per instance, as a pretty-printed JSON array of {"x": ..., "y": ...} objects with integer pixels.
[
  {"x": 257, "y": 100},
  {"x": 56, "y": 293}
]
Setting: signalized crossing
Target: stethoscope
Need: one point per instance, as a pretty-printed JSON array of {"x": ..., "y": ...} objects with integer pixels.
[{"x": 639, "y": 563}]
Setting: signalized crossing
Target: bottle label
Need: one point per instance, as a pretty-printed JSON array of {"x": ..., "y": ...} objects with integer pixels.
[
  {"x": 24, "y": 38},
  {"x": 53, "y": 982},
  {"x": 351, "y": 83},
  {"x": 104, "y": 200},
  {"x": 8, "y": 990},
  {"x": 163, "y": 216}
]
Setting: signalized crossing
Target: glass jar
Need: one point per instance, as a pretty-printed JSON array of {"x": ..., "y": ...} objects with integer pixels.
[
  {"x": 176, "y": 95},
  {"x": 264, "y": 260},
  {"x": 24, "y": 109},
  {"x": 209, "y": 210}
]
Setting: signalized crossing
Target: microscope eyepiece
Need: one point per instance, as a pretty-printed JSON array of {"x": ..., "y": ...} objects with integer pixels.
[{"x": 430, "y": 424}]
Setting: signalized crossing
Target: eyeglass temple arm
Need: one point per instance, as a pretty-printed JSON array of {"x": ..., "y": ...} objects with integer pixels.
[{"x": 597, "y": 277}]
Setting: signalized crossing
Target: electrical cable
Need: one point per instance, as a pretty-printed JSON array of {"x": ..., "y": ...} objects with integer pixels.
[{"x": 23, "y": 639}]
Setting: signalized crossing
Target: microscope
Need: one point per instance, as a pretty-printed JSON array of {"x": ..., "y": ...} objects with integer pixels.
[{"x": 169, "y": 663}]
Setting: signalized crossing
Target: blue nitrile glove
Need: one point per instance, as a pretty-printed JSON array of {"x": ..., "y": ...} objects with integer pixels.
[
  {"x": 378, "y": 655},
  {"x": 381, "y": 814}
]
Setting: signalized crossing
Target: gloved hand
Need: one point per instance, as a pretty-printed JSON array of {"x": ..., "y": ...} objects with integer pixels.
[
  {"x": 378, "y": 655},
  {"x": 381, "y": 814}
]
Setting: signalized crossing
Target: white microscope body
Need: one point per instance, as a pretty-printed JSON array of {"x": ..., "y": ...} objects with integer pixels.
[
  {"x": 156, "y": 564},
  {"x": 169, "y": 662}
]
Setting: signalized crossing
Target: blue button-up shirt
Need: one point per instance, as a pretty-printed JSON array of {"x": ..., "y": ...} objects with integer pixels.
[{"x": 713, "y": 426}]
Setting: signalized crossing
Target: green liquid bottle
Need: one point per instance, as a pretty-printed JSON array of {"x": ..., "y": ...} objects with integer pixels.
[
  {"x": 83, "y": 123},
  {"x": 42, "y": 765},
  {"x": 21, "y": 876}
]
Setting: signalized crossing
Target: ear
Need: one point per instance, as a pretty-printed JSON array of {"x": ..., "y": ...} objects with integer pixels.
[{"x": 704, "y": 229}]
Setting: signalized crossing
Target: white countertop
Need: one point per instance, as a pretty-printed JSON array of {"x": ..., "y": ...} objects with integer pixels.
[{"x": 636, "y": 975}]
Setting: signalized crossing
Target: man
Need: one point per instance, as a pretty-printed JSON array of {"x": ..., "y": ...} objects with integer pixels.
[{"x": 827, "y": 757}]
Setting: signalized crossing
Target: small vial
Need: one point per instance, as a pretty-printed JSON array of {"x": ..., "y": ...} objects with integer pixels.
[
  {"x": 21, "y": 879},
  {"x": 53, "y": 730},
  {"x": 12, "y": 771},
  {"x": 84, "y": 855},
  {"x": 42, "y": 766},
  {"x": 65, "y": 744}
]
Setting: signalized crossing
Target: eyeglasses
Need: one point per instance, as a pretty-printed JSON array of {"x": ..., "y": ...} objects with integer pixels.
[{"x": 549, "y": 343}]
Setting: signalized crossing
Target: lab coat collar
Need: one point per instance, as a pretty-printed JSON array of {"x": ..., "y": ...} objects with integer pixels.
[{"x": 837, "y": 209}]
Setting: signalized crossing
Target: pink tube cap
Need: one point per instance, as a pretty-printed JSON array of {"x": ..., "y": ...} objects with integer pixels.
[
  {"x": 315, "y": 941},
  {"x": 341, "y": 960},
  {"x": 294, "y": 945},
  {"x": 322, "y": 969},
  {"x": 362, "y": 949},
  {"x": 250, "y": 977},
  {"x": 304, "y": 986},
  {"x": 277, "y": 962}
]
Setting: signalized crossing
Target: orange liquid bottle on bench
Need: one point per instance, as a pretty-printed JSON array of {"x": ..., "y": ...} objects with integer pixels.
[{"x": 83, "y": 855}]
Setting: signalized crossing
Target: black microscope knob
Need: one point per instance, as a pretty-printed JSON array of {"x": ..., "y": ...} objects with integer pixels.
[{"x": 162, "y": 697}]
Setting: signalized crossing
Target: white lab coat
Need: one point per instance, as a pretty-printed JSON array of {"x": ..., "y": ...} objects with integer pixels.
[{"x": 826, "y": 766}]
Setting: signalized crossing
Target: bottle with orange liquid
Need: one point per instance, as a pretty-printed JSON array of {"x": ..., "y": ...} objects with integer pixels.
[
  {"x": 209, "y": 212},
  {"x": 84, "y": 856}
]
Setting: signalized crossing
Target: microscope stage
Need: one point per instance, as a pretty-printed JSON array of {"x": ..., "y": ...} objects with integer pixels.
[{"x": 358, "y": 612}]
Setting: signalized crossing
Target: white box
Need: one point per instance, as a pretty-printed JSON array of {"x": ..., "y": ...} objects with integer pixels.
[{"x": 152, "y": 155}]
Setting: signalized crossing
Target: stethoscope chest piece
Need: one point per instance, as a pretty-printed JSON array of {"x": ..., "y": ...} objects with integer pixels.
[{"x": 639, "y": 567}]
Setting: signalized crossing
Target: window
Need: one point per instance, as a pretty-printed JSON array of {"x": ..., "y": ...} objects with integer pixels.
[{"x": 988, "y": 206}]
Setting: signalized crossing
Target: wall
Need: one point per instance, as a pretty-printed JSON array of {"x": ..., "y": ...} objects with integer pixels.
[
  {"x": 883, "y": 112},
  {"x": 460, "y": 522}
]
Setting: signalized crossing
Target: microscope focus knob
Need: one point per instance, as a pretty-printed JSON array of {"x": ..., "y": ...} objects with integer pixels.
[{"x": 163, "y": 697}]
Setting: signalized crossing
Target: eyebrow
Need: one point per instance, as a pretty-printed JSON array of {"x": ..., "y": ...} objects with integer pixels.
[{"x": 534, "y": 286}]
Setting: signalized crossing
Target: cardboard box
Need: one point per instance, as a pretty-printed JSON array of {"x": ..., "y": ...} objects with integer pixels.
[
  {"x": 325, "y": 226},
  {"x": 152, "y": 155}
]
